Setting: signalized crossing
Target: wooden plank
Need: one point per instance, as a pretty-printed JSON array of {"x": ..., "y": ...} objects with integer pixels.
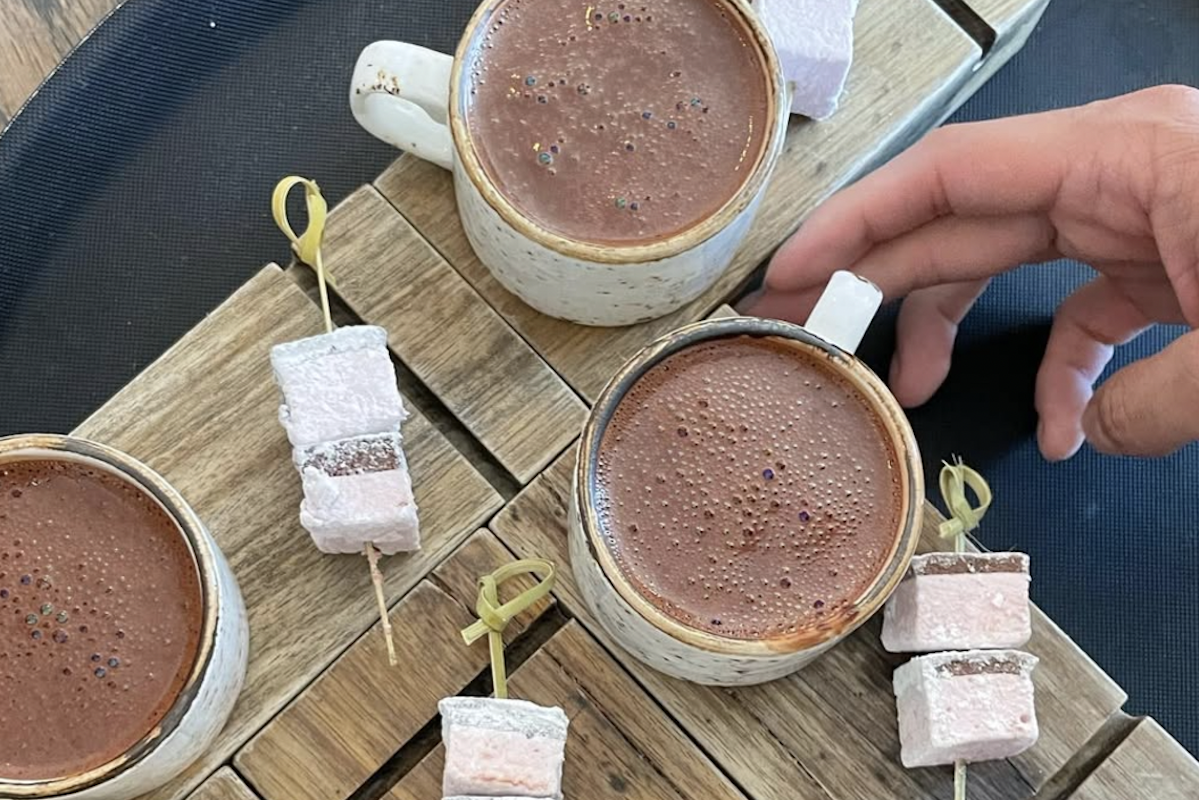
[
  {"x": 34, "y": 36},
  {"x": 359, "y": 713},
  {"x": 223, "y": 785},
  {"x": 205, "y": 416},
  {"x": 840, "y": 708},
  {"x": 911, "y": 61},
  {"x": 449, "y": 337},
  {"x": 1074, "y": 696},
  {"x": 620, "y": 744},
  {"x": 1149, "y": 764}
]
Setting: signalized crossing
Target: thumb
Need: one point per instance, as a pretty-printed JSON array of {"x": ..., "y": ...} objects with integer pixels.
[{"x": 1149, "y": 408}]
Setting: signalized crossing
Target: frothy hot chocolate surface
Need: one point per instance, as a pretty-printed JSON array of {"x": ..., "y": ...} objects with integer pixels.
[
  {"x": 100, "y": 617},
  {"x": 747, "y": 489},
  {"x": 618, "y": 123}
]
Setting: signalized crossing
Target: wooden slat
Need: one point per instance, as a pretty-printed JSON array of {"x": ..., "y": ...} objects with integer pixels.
[
  {"x": 1074, "y": 696},
  {"x": 840, "y": 707},
  {"x": 205, "y": 416},
  {"x": 619, "y": 746},
  {"x": 223, "y": 785},
  {"x": 361, "y": 712},
  {"x": 911, "y": 61},
  {"x": 34, "y": 36},
  {"x": 1148, "y": 764},
  {"x": 448, "y": 336}
]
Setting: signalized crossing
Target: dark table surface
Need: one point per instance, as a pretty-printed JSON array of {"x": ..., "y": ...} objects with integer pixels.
[{"x": 135, "y": 198}]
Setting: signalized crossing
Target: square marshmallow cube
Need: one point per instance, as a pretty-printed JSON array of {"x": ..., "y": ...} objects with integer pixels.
[
  {"x": 337, "y": 385},
  {"x": 814, "y": 40},
  {"x": 960, "y": 601},
  {"x": 969, "y": 706},
  {"x": 356, "y": 491},
  {"x": 502, "y": 748}
]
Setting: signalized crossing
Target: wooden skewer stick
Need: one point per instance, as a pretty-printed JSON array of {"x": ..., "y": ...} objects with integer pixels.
[
  {"x": 307, "y": 247},
  {"x": 372, "y": 558}
]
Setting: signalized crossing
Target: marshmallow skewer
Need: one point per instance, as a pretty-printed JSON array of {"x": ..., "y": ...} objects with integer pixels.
[
  {"x": 338, "y": 387},
  {"x": 497, "y": 747}
]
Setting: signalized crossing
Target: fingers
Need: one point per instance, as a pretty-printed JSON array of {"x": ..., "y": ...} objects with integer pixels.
[
  {"x": 1151, "y": 407},
  {"x": 996, "y": 168},
  {"x": 925, "y": 332},
  {"x": 1085, "y": 331},
  {"x": 948, "y": 250}
]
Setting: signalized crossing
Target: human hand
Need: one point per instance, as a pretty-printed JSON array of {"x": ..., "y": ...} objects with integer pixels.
[{"x": 1114, "y": 184}]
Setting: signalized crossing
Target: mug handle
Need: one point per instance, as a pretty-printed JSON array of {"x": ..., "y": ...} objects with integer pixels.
[
  {"x": 400, "y": 93},
  {"x": 845, "y": 310}
]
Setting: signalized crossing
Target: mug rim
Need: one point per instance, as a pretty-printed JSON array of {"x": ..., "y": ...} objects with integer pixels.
[
  {"x": 616, "y": 254},
  {"x": 141, "y": 477},
  {"x": 885, "y": 407}
]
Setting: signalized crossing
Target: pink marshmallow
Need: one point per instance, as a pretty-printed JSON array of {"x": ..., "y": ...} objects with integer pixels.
[
  {"x": 337, "y": 385},
  {"x": 965, "y": 706},
  {"x": 502, "y": 748},
  {"x": 358, "y": 491},
  {"x": 814, "y": 40},
  {"x": 960, "y": 601}
]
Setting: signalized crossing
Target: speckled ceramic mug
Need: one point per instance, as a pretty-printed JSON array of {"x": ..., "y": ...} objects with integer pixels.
[
  {"x": 206, "y": 700},
  {"x": 415, "y": 99},
  {"x": 832, "y": 333}
]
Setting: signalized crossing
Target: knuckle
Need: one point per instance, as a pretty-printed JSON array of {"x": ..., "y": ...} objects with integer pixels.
[
  {"x": 1177, "y": 99},
  {"x": 1113, "y": 418}
]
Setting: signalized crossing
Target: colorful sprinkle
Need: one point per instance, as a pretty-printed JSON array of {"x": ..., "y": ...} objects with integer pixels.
[
  {"x": 554, "y": 149},
  {"x": 101, "y": 672},
  {"x": 804, "y": 516},
  {"x": 46, "y": 608},
  {"x": 818, "y": 604},
  {"x": 545, "y": 158},
  {"x": 634, "y": 206},
  {"x": 60, "y": 637},
  {"x": 31, "y": 619},
  {"x": 3, "y": 594},
  {"x": 530, "y": 81},
  {"x": 36, "y": 635},
  {"x": 614, "y": 17},
  {"x": 542, "y": 99},
  {"x": 114, "y": 662},
  {"x": 95, "y": 657},
  {"x": 26, "y": 580},
  {"x": 768, "y": 474},
  {"x": 647, "y": 115},
  {"x": 695, "y": 101},
  {"x": 672, "y": 125},
  {"x": 621, "y": 202},
  {"x": 62, "y": 616}
]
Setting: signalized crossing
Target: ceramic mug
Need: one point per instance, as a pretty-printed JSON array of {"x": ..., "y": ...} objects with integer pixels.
[
  {"x": 833, "y": 332},
  {"x": 416, "y": 99},
  {"x": 207, "y": 698}
]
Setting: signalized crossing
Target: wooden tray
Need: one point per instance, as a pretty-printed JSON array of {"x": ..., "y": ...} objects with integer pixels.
[{"x": 499, "y": 393}]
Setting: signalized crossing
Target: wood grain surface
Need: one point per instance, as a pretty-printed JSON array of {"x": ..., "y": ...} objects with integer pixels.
[
  {"x": 487, "y": 376},
  {"x": 224, "y": 784},
  {"x": 205, "y": 415},
  {"x": 1148, "y": 764}
]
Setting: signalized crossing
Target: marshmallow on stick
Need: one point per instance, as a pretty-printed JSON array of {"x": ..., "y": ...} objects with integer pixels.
[
  {"x": 504, "y": 748},
  {"x": 960, "y": 601},
  {"x": 965, "y": 706},
  {"x": 342, "y": 412},
  {"x": 814, "y": 40},
  {"x": 501, "y": 748}
]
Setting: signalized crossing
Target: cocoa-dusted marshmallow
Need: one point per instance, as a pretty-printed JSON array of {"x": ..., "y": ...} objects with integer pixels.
[
  {"x": 968, "y": 706},
  {"x": 502, "y": 748},
  {"x": 960, "y": 601}
]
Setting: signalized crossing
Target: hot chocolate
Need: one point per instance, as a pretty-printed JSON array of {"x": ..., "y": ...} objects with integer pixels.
[
  {"x": 748, "y": 489},
  {"x": 618, "y": 123},
  {"x": 100, "y": 617}
]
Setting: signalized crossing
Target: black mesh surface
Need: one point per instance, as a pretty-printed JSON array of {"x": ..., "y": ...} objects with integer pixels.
[{"x": 135, "y": 199}]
